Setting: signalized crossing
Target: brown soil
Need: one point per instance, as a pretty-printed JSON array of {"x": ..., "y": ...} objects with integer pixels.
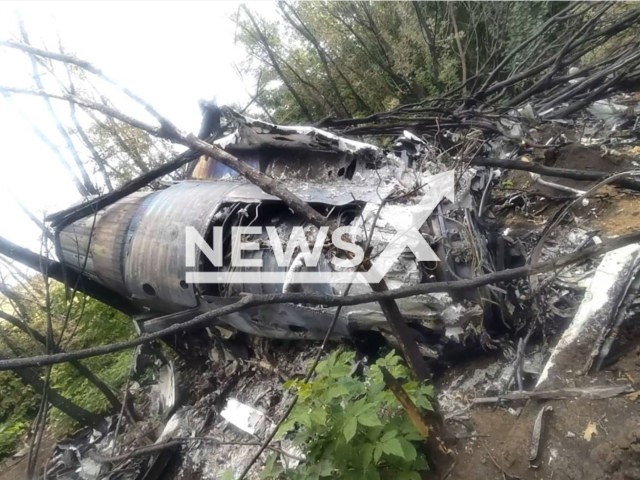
[
  {"x": 15, "y": 468},
  {"x": 611, "y": 211},
  {"x": 502, "y": 448},
  {"x": 618, "y": 213}
]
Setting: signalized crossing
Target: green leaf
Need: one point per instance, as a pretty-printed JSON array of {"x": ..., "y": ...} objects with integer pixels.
[
  {"x": 325, "y": 468},
  {"x": 288, "y": 425},
  {"x": 270, "y": 470},
  {"x": 389, "y": 356},
  {"x": 340, "y": 371},
  {"x": 393, "y": 447},
  {"x": 373, "y": 433},
  {"x": 354, "y": 387},
  {"x": 427, "y": 390},
  {"x": 331, "y": 361},
  {"x": 361, "y": 406},
  {"x": 409, "y": 450},
  {"x": 377, "y": 453},
  {"x": 423, "y": 403},
  {"x": 304, "y": 418},
  {"x": 410, "y": 386},
  {"x": 350, "y": 428},
  {"x": 335, "y": 392},
  {"x": 369, "y": 419},
  {"x": 376, "y": 388},
  {"x": 367, "y": 455},
  {"x": 372, "y": 474},
  {"x": 346, "y": 357},
  {"x": 329, "y": 412},
  {"x": 413, "y": 436},
  {"x": 319, "y": 416},
  {"x": 421, "y": 463},
  {"x": 409, "y": 475},
  {"x": 393, "y": 360},
  {"x": 389, "y": 435}
]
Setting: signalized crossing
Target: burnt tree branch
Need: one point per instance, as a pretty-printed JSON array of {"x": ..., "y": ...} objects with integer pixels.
[
  {"x": 84, "y": 371},
  {"x": 332, "y": 301}
]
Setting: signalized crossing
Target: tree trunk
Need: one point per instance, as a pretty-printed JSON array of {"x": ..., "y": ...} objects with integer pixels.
[
  {"x": 430, "y": 40},
  {"x": 276, "y": 65},
  {"x": 304, "y": 31},
  {"x": 391, "y": 78},
  {"x": 461, "y": 52}
]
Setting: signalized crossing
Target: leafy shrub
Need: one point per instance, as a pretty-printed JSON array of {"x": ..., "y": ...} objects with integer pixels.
[
  {"x": 98, "y": 325},
  {"x": 90, "y": 323},
  {"x": 352, "y": 427},
  {"x": 10, "y": 433},
  {"x": 17, "y": 405}
]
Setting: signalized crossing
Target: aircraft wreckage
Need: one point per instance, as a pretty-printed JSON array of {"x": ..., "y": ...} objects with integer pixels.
[{"x": 137, "y": 247}]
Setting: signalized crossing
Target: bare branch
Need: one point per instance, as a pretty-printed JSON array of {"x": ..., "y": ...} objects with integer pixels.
[
  {"x": 61, "y": 57},
  {"x": 265, "y": 182},
  {"x": 84, "y": 371},
  {"x": 331, "y": 301},
  {"x": 87, "y": 285},
  {"x": 83, "y": 136},
  {"x": 63, "y": 132}
]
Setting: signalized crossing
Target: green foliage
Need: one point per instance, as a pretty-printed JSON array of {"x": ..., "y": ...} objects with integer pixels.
[
  {"x": 10, "y": 433},
  {"x": 351, "y": 59},
  {"x": 128, "y": 150},
  {"x": 90, "y": 323},
  {"x": 17, "y": 405},
  {"x": 97, "y": 325},
  {"x": 378, "y": 55},
  {"x": 353, "y": 428},
  {"x": 113, "y": 369}
]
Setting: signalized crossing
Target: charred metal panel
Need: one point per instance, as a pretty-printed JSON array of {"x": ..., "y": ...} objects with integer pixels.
[
  {"x": 316, "y": 166},
  {"x": 75, "y": 246},
  {"x": 110, "y": 241},
  {"x": 155, "y": 264}
]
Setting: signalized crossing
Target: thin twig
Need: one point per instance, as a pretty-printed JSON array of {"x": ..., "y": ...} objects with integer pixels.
[{"x": 124, "y": 403}]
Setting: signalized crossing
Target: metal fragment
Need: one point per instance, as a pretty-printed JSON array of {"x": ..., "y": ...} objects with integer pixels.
[{"x": 538, "y": 428}]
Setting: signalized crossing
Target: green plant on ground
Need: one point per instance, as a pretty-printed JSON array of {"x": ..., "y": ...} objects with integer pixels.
[
  {"x": 353, "y": 427},
  {"x": 90, "y": 323}
]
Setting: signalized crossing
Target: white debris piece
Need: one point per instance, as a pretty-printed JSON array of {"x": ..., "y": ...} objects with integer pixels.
[
  {"x": 593, "y": 315},
  {"x": 243, "y": 416}
]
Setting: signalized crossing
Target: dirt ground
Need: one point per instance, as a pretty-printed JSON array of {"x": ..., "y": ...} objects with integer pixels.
[
  {"x": 504, "y": 438},
  {"x": 611, "y": 211},
  {"x": 15, "y": 468},
  {"x": 567, "y": 450}
]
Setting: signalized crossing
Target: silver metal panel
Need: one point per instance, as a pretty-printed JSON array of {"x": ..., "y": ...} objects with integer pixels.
[
  {"x": 138, "y": 244},
  {"x": 155, "y": 261},
  {"x": 105, "y": 251}
]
